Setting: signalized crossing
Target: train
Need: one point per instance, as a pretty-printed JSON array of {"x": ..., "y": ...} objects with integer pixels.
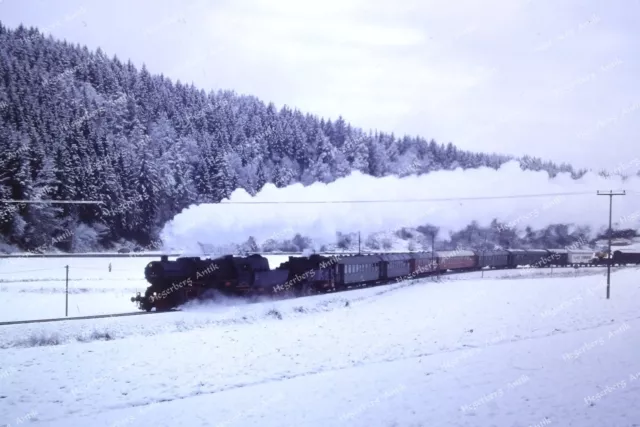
[{"x": 174, "y": 283}]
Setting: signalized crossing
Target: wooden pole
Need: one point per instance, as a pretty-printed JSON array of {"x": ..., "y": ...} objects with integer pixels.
[
  {"x": 609, "y": 257},
  {"x": 66, "y": 302}
]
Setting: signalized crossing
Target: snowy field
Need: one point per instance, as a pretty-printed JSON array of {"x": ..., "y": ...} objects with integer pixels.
[
  {"x": 477, "y": 352},
  {"x": 35, "y": 288}
]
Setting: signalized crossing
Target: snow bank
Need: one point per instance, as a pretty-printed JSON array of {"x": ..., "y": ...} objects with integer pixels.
[
  {"x": 222, "y": 313},
  {"x": 481, "y": 353},
  {"x": 227, "y": 223}
]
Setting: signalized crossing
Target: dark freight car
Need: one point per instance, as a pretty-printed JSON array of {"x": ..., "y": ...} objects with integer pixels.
[
  {"x": 493, "y": 259},
  {"x": 395, "y": 265},
  {"x": 532, "y": 257},
  {"x": 556, "y": 258},
  {"x": 622, "y": 257}
]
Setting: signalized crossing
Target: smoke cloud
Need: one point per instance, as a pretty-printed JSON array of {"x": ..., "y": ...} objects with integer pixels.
[{"x": 226, "y": 223}]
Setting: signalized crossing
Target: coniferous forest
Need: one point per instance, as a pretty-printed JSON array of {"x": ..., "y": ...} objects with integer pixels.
[{"x": 79, "y": 125}]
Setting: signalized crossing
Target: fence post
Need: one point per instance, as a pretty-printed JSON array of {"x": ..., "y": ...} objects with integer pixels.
[{"x": 66, "y": 302}]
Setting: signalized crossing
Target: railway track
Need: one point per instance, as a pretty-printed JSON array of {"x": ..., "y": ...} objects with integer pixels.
[
  {"x": 448, "y": 273},
  {"x": 97, "y": 316}
]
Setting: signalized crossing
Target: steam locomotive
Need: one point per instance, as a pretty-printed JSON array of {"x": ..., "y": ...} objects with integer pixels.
[{"x": 173, "y": 283}]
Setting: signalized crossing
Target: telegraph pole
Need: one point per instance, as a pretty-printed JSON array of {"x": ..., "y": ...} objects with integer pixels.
[
  {"x": 66, "y": 294},
  {"x": 433, "y": 253},
  {"x": 609, "y": 258},
  {"x": 433, "y": 245}
]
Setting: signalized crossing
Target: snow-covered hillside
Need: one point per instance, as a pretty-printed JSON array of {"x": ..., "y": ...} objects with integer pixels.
[{"x": 527, "y": 352}]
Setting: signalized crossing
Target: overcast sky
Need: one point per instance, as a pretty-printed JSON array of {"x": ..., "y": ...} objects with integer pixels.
[{"x": 551, "y": 78}]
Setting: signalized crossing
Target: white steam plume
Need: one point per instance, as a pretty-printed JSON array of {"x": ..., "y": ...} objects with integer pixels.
[{"x": 225, "y": 223}]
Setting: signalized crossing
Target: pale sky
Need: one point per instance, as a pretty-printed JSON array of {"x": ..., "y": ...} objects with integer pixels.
[{"x": 558, "y": 79}]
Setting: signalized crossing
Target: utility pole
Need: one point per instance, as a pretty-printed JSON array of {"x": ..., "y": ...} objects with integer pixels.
[
  {"x": 359, "y": 243},
  {"x": 433, "y": 253},
  {"x": 609, "y": 258},
  {"x": 66, "y": 293},
  {"x": 433, "y": 244}
]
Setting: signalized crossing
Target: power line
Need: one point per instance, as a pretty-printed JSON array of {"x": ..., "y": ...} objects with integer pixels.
[
  {"x": 521, "y": 196},
  {"x": 76, "y": 202}
]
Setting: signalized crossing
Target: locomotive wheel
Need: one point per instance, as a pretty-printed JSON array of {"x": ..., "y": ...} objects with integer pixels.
[
  {"x": 308, "y": 290},
  {"x": 288, "y": 294},
  {"x": 303, "y": 290},
  {"x": 147, "y": 305}
]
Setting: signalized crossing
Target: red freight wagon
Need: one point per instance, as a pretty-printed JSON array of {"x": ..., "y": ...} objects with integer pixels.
[
  {"x": 422, "y": 263},
  {"x": 449, "y": 260}
]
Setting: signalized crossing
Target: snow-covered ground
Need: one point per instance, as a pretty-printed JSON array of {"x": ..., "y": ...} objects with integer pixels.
[
  {"x": 34, "y": 288},
  {"x": 477, "y": 352}
]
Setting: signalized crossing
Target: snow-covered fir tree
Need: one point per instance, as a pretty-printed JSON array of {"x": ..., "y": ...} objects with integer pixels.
[{"x": 76, "y": 124}]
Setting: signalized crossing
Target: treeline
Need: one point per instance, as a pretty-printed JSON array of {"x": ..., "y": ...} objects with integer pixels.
[{"x": 78, "y": 125}]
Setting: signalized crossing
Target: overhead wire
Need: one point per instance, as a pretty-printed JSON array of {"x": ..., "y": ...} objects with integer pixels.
[
  {"x": 312, "y": 202},
  {"x": 76, "y": 202},
  {"x": 28, "y": 271},
  {"x": 442, "y": 199}
]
